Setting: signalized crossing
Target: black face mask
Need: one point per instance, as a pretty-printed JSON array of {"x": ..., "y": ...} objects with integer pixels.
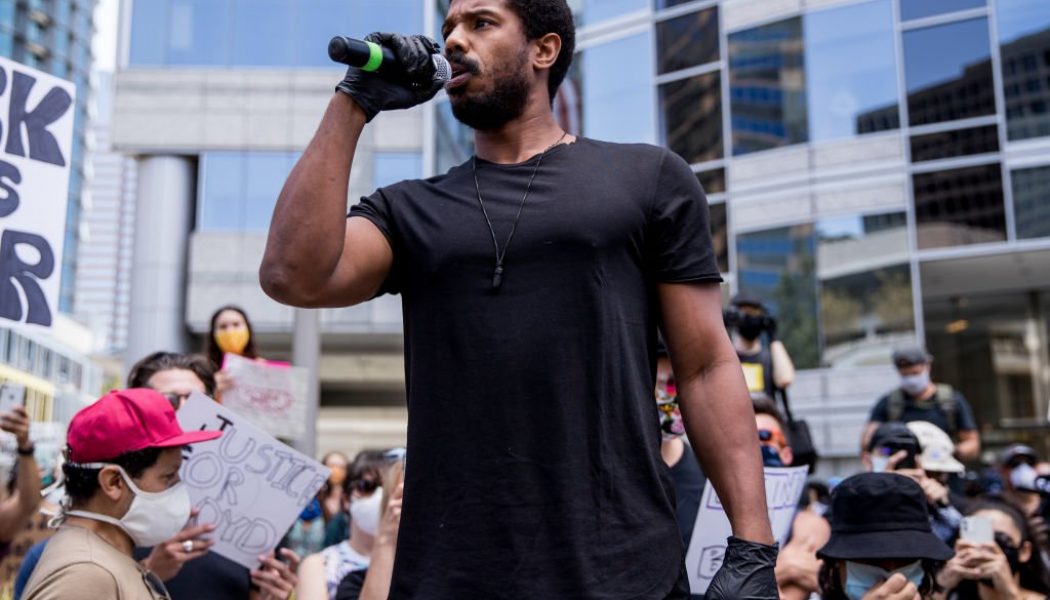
[
  {"x": 770, "y": 457},
  {"x": 1011, "y": 552},
  {"x": 750, "y": 326}
]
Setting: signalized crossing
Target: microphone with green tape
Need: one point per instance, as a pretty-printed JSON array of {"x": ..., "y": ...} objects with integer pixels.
[{"x": 369, "y": 56}]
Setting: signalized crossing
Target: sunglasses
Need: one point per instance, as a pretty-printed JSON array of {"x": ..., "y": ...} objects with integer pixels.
[
  {"x": 772, "y": 435},
  {"x": 365, "y": 486}
]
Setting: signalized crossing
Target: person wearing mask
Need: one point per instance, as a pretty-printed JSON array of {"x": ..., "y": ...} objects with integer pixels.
[
  {"x": 321, "y": 573},
  {"x": 373, "y": 583},
  {"x": 1017, "y": 470},
  {"x": 938, "y": 465},
  {"x": 797, "y": 564},
  {"x": 534, "y": 278},
  {"x": 18, "y": 507},
  {"x": 881, "y": 545},
  {"x": 686, "y": 474},
  {"x": 767, "y": 365},
  {"x": 337, "y": 526},
  {"x": 230, "y": 332},
  {"x": 918, "y": 398},
  {"x": 991, "y": 570},
  {"x": 175, "y": 375},
  {"x": 123, "y": 490}
]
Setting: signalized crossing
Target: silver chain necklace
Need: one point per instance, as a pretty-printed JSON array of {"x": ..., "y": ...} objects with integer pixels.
[{"x": 497, "y": 274}]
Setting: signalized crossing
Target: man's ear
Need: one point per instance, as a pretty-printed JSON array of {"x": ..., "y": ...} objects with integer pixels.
[
  {"x": 546, "y": 51},
  {"x": 111, "y": 482}
]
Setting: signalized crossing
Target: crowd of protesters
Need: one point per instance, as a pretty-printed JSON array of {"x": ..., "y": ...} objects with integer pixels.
[{"x": 915, "y": 524}]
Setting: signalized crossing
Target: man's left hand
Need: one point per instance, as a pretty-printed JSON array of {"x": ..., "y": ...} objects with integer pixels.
[
  {"x": 276, "y": 580},
  {"x": 746, "y": 572}
]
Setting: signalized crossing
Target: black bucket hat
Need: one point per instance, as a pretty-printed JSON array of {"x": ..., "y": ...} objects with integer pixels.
[{"x": 881, "y": 515}]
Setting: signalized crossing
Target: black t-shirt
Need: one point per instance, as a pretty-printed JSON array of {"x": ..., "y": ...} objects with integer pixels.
[
  {"x": 689, "y": 482},
  {"x": 210, "y": 576},
  {"x": 533, "y": 448},
  {"x": 351, "y": 585},
  {"x": 928, "y": 410}
]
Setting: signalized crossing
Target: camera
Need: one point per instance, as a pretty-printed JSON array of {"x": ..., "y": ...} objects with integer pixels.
[
  {"x": 734, "y": 318},
  {"x": 892, "y": 446}
]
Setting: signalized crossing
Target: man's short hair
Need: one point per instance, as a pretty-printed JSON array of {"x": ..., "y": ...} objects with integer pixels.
[
  {"x": 82, "y": 483},
  {"x": 149, "y": 366},
  {"x": 764, "y": 405},
  {"x": 910, "y": 356},
  {"x": 540, "y": 17}
]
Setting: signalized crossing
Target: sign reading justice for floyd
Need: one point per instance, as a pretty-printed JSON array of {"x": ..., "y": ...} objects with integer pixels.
[
  {"x": 247, "y": 483},
  {"x": 36, "y": 136}
]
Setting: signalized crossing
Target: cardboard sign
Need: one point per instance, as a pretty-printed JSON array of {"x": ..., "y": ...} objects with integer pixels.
[
  {"x": 250, "y": 485},
  {"x": 784, "y": 487},
  {"x": 36, "y": 137},
  {"x": 272, "y": 395}
]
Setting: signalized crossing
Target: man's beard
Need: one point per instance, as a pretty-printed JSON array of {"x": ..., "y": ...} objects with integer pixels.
[{"x": 495, "y": 109}]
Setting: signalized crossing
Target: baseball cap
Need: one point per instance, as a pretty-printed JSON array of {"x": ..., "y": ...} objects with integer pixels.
[
  {"x": 1015, "y": 451},
  {"x": 747, "y": 299},
  {"x": 125, "y": 421},
  {"x": 909, "y": 356},
  {"x": 891, "y": 431},
  {"x": 937, "y": 448}
]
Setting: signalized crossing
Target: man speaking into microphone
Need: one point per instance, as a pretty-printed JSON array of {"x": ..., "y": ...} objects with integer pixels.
[{"x": 533, "y": 279}]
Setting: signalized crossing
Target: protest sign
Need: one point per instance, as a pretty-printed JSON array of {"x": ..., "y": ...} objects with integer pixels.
[
  {"x": 272, "y": 395},
  {"x": 250, "y": 485},
  {"x": 36, "y": 137},
  {"x": 784, "y": 487}
]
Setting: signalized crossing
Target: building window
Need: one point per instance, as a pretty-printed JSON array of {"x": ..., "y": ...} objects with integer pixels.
[
  {"x": 948, "y": 71},
  {"x": 687, "y": 41},
  {"x": 453, "y": 141},
  {"x": 616, "y": 102},
  {"x": 258, "y": 32},
  {"x": 851, "y": 72},
  {"x": 713, "y": 181},
  {"x": 595, "y": 11},
  {"x": 720, "y": 234},
  {"x": 865, "y": 288},
  {"x": 1031, "y": 189},
  {"x": 691, "y": 113},
  {"x": 778, "y": 265},
  {"x": 960, "y": 206},
  {"x": 1024, "y": 38},
  {"x": 389, "y": 168},
  {"x": 917, "y": 9},
  {"x": 767, "y": 87},
  {"x": 239, "y": 189},
  {"x": 959, "y": 142}
]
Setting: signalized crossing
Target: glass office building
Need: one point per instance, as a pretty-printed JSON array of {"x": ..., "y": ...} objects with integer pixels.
[
  {"x": 878, "y": 171},
  {"x": 54, "y": 36}
]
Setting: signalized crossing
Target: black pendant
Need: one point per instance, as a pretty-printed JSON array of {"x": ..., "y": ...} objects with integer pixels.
[{"x": 497, "y": 277}]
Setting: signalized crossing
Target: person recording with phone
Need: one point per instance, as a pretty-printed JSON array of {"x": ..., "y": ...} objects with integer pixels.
[
  {"x": 18, "y": 507},
  {"x": 534, "y": 278},
  {"x": 994, "y": 547},
  {"x": 1028, "y": 491}
]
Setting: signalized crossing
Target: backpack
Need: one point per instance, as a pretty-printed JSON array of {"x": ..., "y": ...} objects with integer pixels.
[{"x": 944, "y": 398}]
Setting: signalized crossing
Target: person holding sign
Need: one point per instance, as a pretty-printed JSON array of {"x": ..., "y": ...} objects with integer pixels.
[
  {"x": 123, "y": 487},
  {"x": 230, "y": 333}
]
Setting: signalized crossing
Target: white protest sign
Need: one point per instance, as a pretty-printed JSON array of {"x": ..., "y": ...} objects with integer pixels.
[
  {"x": 272, "y": 395},
  {"x": 250, "y": 485},
  {"x": 36, "y": 138},
  {"x": 784, "y": 487}
]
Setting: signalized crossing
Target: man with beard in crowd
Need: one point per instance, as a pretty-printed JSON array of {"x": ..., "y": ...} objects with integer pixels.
[{"x": 533, "y": 278}]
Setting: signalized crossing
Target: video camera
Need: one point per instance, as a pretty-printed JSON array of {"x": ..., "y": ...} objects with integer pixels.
[{"x": 734, "y": 318}]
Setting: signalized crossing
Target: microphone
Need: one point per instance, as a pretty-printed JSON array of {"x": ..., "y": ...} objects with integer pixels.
[{"x": 369, "y": 56}]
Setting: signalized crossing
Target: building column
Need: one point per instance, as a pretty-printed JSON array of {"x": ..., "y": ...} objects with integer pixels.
[
  {"x": 163, "y": 213},
  {"x": 306, "y": 353}
]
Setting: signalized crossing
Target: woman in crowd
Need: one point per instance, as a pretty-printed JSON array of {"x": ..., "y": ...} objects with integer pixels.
[
  {"x": 333, "y": 500},
  {"x": 230, "y": 333},
  {"x": 881, "y": 546},
  {"x": 373, "y": 583},
  {"x": 991, "y": 571},
  {"x": 321, "y": 573}
]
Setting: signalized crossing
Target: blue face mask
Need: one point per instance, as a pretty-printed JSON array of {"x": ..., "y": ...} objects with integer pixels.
[{"x": 861, "y": 577}]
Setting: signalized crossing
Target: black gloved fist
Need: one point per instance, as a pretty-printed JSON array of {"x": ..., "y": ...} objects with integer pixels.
[
  {"x": 374, "y": 92},
  {"x": 746, "y": 573}
]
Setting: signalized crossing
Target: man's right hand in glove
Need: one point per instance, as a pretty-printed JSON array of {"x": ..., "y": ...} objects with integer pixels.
[{"x": 374, "y": 92}]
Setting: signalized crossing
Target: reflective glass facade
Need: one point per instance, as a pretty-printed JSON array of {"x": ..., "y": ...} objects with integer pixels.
[
  {"x": 238, "y": 189},
  {"x": 257, "y": 33}
]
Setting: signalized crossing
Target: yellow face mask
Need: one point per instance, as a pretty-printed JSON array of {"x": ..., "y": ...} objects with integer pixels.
[
  {"x": 233, "y": 341},
  {"x": 338, "y": 476}
]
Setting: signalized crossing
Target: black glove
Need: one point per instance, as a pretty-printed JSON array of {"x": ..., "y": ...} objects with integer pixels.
[
  {"x": 746, "y": 573},
  {"x": 374, "y": 92}
]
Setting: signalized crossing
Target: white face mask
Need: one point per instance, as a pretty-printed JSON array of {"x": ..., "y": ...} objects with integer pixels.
[
  {"x": 913, "y": 385},
  {"x": 365, "y": 512},
  {"x": 1023, "y": 477},
  {"x": 153, "y": 517}
]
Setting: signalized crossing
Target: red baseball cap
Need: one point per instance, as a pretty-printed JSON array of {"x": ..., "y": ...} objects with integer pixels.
[{"x": 125, "y": 421}]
